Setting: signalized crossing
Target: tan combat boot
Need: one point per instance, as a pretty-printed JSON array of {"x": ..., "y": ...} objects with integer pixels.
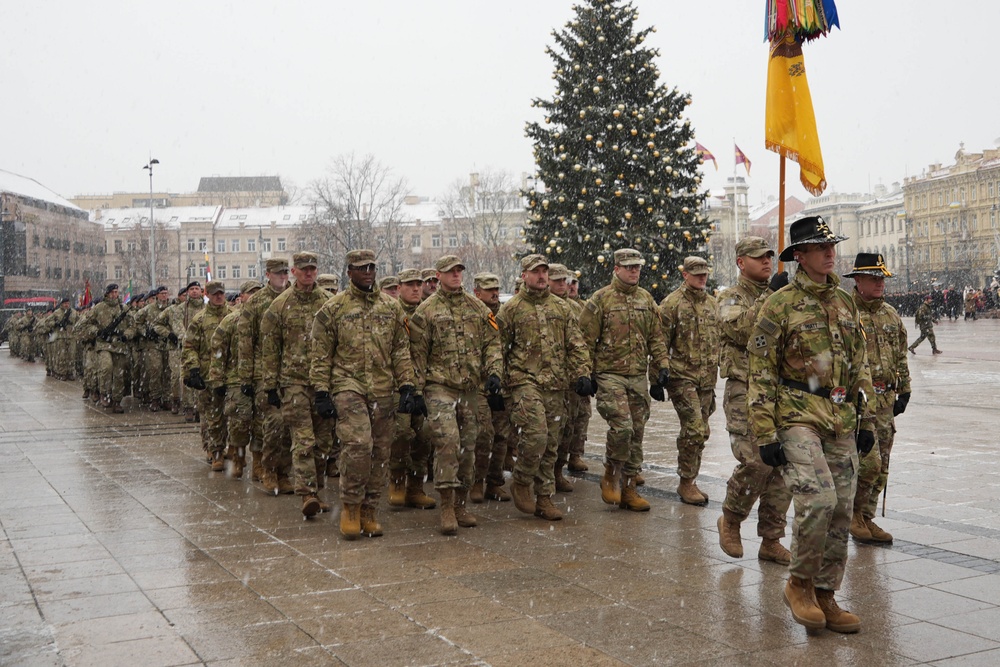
[
  {"x": 772, "y": 550},
  {"x": 477, "y": 493},
  {"x": 801, "y": 601},
  {"x": 256, "y": 469},
  {"x": 639, "y": 479},
  {"x": 415, "y": 496},
  {"x": 269, "y": 480},
  {"x": 285, "y": 486},
  {"x": 497, "y": 492},
  {"x": 859, "y": 529},
  {"x": 524, "y": 499},
  {"x": 449, "y": 524},
  {"x": 218, "y": 462},
  {"x": 239, "y": 461},
  {"x": 729, "y": 536},
  {"x": 310, "y": 505},
  {"x": 562, "y": 484},
  {"x": 369, "y": 522},
  {"x": 690, "y": 494},
  {"x": 397, "y": 488},
  {"x": 546, "y": 510},
  {"x": 155, "y": 406},
  {"x": 116, "y": 407},
  {"x": 332, "y": 469},
  {"x": 189, "y": 415},
  {"x": 576, "y": 464},
  {"x": 464, "y": 518},
  {"x": 610, "y": 492},
  {"x": 837, "y": 619},
  {"x": 878, "y": 535},
  {"x": 350, "y": 521},
  {"x": 631, "y": 500}
]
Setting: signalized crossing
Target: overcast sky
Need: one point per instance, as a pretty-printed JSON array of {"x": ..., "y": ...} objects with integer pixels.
[{"x": 438, "y": 88}]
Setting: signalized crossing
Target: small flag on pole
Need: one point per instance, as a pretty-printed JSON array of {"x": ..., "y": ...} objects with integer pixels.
[
  {"x": 128, "y": 292},
  {"x": 208, "y": 269},
  {"x": 741, "y": 158},
  {"x": 705, "y": 154},
  {"x": 87, "y": 297}
]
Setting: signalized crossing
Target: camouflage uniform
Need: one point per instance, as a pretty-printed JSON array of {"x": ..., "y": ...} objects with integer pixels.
[
  {"x": 156, "y": 362},
  {"x": 286, "y": 335},
  {"x": 752, "y": 478},
  {"x": 90, "y": 386},
  {"x": 360, "y": 353},
  {"x": 62, "y": 343},
  {"x": 110, "y": 348},
  {"x": 578, "y": 411},
  {"x": 242, "y": 429},
  {"x": 175, "y": 320},
  {"x": 197, "y": 353},
  {"x": 925, "y": 322},
  {"x": 690, "y": 322},
  {"x": 810, "y": 334}
]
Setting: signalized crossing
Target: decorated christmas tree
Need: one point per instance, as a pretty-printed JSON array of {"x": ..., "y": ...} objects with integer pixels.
[{"x": 616, "y": 161}]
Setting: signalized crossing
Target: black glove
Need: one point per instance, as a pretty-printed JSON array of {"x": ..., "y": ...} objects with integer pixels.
[
  {"x": 773, "y": 455},
  {"x": 324, "y": 405},
  {"x": 194, "y": 380},
  {"x": 247, "y": 390},
  {"x": 584, "y": 387},
  {"x": 406, "y": 396},
  {"x": 273, "y": 399},
  {"x": 663, "y": 378},
  {"x": 493, "y": 385},
  {"x": 495, "y": 402},
  {"x": 656, "y": 392},
  {"x": 172, "y": 338},
  {"x": 593, "y": 385},
  {"x": 778, "y": 280},
  {"x": 866, "y": 440},
  {"x": 899, "y": 406},
  {"x": 220, "y": 391},
  {"x": 419, "y": 407},
  {"x": 123, "y": 338}
]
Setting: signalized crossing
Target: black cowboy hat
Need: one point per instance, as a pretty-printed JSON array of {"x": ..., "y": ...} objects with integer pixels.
[{"x": 805, "y": 231}]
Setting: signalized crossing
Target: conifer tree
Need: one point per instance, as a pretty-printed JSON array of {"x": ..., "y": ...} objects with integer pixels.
[{"x": 616, "y": 163}]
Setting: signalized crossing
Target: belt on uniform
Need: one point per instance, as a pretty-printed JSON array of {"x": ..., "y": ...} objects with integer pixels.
[{"x": 837, "y": 394}]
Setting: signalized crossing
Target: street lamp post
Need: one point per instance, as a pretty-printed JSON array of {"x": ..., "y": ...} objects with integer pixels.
[{"x": 152, "y": 227}]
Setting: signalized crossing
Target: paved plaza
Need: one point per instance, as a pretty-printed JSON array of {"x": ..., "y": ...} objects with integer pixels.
[{"x": 120, "y": 547}]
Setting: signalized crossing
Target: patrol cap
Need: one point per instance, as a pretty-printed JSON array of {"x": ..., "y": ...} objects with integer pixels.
[
  {"x": 360, "y": 257},
  {"x": 428, "y": 274},
  {"x": 558, "y": 272},
  {"x": 530, "y": 262},
  {"x": 574, "y": 276},
  {"x": 628, "y": 257},
  {"x": 409, "y": 276},
  {"x": 696, "y": 266},
  {"x": 110, "y": 288},
  {"x": 869, "y": 264},
  {"x": 447, "y": 263},
  {"x": 753, "y": 246},
  {"x": 276, "y": 265},
  {"x": 487, "y": 281},
  {"x": 214, "y": 287},
  {"x": 304, "y": 260},
  {"x": 328, "y": 280},
  {"x": 250, "y": 286},
  {"x": 518, "y": 282},
  {"x": 808, "y": 231},
  {"x": 193, "y": 283},
  {"x": 388, "y": 281}
]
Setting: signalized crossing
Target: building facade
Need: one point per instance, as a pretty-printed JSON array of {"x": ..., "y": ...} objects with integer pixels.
[
  {"x": 882, "y": 229},
  {"x": 227, "y": 191}
]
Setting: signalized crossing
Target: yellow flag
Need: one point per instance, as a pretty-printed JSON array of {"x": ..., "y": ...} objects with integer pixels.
[{"x": 789, "y": 121}]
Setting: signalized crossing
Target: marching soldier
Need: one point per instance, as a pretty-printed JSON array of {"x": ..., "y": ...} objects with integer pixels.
[
  {"x": 575, "y": 433},
  {"x": 430, "y": 283},
  {"x": 389, "y": 286},
  {"x": 172, "y": 326},
  {"x": 154, "y": 349},
  {"x": 925, "y": 319},
  {"x": 330, "y": 283},
  {"x": 106, "y": 327}
]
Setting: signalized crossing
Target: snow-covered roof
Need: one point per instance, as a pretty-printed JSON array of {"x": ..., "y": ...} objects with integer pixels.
[
  {"x": 29, "y": 187},
  {"x": 281, "y": 216},
  {"x": 171, "y": 217},
  {"x": 424, "y": 211},
  {"x": 762, "y": 210}
]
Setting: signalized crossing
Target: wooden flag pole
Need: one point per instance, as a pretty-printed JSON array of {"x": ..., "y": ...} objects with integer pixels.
[{"x": 781, "y": 211}]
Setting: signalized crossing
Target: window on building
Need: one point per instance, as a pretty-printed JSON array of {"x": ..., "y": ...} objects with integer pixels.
[
  {"x": 220, "y": 245},
  {"x": 503, "y": 232},
  {"x": 190, "y": 245},
  {"x": 118, "y": 245},
  {"x": 974, "y": 223},
  {"x": 415, "y": 241},
  {"x": 251, "y": 271},
  {"x": 161, "y": 246},
  {"x": 164, "y": 272},
  {"x": 236, "y": 270},
  {"x": 192, "y": 271},
  {"x": 436, "y": 241},
  {"x": 265, "y": 245},
  {"x": 465, "y": 239},
  {"x": 251, "y": 245},
  {"x": 118, "y": 273},
  {"x": 399, "y": 241},
  {"x": 993, "y": 219},
  {"x": 201, "y": 271},
  {"x": 452, "y": 241},
  {"x": 281, "y": 245},
  {"x": 131, "y": 246},
  {"x": 202, "y": 245},
  {"x": 221, "y": 273},
  {"x": 57, "y": 273},
  {"x": 235, "y": 245},
  {"x": 990, "y": 185}
]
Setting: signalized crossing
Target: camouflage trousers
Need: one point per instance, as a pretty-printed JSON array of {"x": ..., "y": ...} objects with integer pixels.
[
  {"x": 243, "y": 429},
  {"x": 111, "y": 373},
  {"x": 874, "y": 468},
  {"x": 623, "y": 402},
  {"x": 411, "y": 445},
  {"x": 365, "y": 431},
  {"x": 173, "y": 377},
  {"x": 451, "y": 423},
  {"x": 64, "y": 357},
  {"x": 303, "y": 423},
  {"x": 491, "y": 443},
  {"x": 138, "y": 378},
  {"x": 211, "y": 407},
  {"x": 821, "y": 474},
  {"x": 90, "y": 369},
  {"x": 158, "y": 377},
  {"x": 925, "y": 333},
  {"x": 752, "y": 478},
  {"x": 539, "y": 416},
  {"x": 574, "y": 435},
  {"x": 693, "y": 405},
  {"x": 276, "y": 444}
]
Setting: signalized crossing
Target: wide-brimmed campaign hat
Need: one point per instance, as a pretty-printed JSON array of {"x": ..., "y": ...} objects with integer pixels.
[
  {"x": 869, "y": 264},
  {"x": 808, "y": 231}
]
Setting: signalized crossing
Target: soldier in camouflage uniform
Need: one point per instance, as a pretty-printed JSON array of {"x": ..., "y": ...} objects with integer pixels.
[
  {"x": 63, "y": 341},
  {"x": 286, "y": 330},
  {"x": 575, "y": 433},
  {"x": 455, "y": 346},
  {"x": 330, "y": 283},
  {"x": 430, "y": 283},
  {"x": 360, "y": 354},
  {"x": 559, "y": 288},
  {"x": 494, "y": 426},
  {"x": 806, "y": 394},
  {"x": 90, "y": 387},
  {"x": 222, "y": 374},
  {"x": 621, "y": 328},
  {"x": 885, "y": 335},
  {"x": 155, "y": 357},
  {"x": 197, "y": 356},
  {"x": 389, "y": 286},
  {"x": 250, "y": 373},
  {"x": 925, "y": 320},
  {"x": 542, "y": 347},
  {"x": 138, "y": 381},
  {"x": 172, "y": 326},
  {"x": 106, "y": 328},
  {"x": 752, "y": 478}
]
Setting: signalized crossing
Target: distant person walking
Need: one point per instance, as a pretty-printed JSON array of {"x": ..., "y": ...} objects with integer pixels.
[{"x": 925, "y": 322}]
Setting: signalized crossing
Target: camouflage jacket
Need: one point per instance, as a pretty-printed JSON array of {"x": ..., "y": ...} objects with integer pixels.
[
  {"x": 622, "y": 330},
  {"x": 885, "y": 336},
  {"x": 143, "y": 323},
  {"x": 102, "y": 316},
  {"x": 360, "y": 344},
  {"x": 60, "y": 324},
  {"x": 248, "y": 338},
  {"x": 454, "y": 341},
  {"x": 197, "y": 350},
  {"x": 286, "y": 337},
  {"x": 808, "y": 333},
  {"x": 541, "y": 341},
  {"x": 690, "y": 321},
  {"x": 225, "y": 352},
  {"x": 738, "y": 306},
  {"x": 175, "y": 319},
  {"x": 924, "y": 316}
]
